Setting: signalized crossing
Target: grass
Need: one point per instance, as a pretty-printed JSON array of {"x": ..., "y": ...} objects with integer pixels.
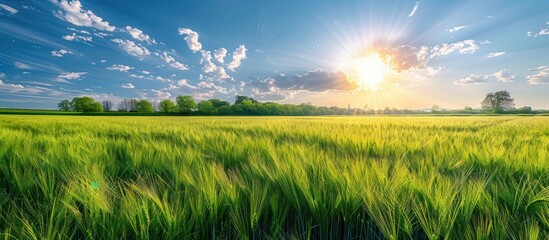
[{"x": 92, "y": 177}]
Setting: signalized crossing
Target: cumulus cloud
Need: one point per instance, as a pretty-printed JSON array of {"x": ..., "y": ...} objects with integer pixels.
[
  {"x": 456, "y": 28},
  {"x": 10, "y": 87},
  {"x": 127, "y": 85},
  {"x": 8, "y": 8},
  {"x": 238, "y": 55},
  {"x": 504, "y": 76},
  {"x": 77, "y": 38},
  {"x": 63, "y": 77},
  {"x": 212, "y": 86},
  {"x": 159, "y": 78},
  {"x": 137, "y": 34},
  {"x": 406, "y": 57},
  {"x": 220, "y": 54},
  {"x": 191, "y": 37},
  {"x": 185, "y": 83},
  {"x": 206, "y": 59},
  {"x": 72, "y": 12},
  {"x": 21, "y": 65},
  {"x": 131, "y": 48},
  {"x": 472, "y": 79},
  {"x": 172, "y": 62},
  {"x": 60, "y": 53},
  {"x": 314, "y": 81},
  {"x": 158, "y": 94},
  {"x": 414, "y": 10},
  {"x": 463, "y": 47},
  {"x": 495, "y": 54},
  {"x": 541, "y": 77},
  {"x": 119, "y": 67}
]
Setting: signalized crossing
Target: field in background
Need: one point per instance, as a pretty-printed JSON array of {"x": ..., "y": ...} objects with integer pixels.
[{"x": 285, "y": 177}]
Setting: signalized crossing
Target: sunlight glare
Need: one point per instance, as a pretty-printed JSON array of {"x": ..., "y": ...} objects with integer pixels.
[{"x": 370, "y": 71}]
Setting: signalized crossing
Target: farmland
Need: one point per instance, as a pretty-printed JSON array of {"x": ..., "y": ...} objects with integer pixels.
[{"x": 94, "y": 177}]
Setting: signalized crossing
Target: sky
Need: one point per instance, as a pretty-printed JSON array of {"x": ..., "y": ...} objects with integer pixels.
[{"x": 448, "y": 53}]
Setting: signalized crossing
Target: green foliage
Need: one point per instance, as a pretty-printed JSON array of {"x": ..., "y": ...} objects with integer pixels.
[
  {"x": 64, "y": 105},
  {"x": 84, "y": 104},
  {"x": 144, "y": 106},
  {"x": 185, "y": 104},
  {"x": 74, "y": 177},
  {"x": 167, "y": 106},
  {"x": 206, "y": 108},
  {"x": 498, "y": 102}
]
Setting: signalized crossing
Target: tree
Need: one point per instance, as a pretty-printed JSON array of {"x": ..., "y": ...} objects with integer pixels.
[
  {"x": 144, "y": 106},
  {"x": 185, "y": 104},
  {"x": 128, "y": 105},
  {"x": 217, "y": 103},
  {"x": 206, "y": 107},
  {"x": 86, "y": 104},
  {"x": 241, "y": 99},
  {"x": 498, "y": 102},
  {"x": 64, "y": 105},
  {"x": 107, "y": 105},
  {"x": 166, "y": 106}
]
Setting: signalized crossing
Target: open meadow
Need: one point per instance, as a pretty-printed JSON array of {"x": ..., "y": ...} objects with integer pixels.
[{"x": 93, "y": 177}]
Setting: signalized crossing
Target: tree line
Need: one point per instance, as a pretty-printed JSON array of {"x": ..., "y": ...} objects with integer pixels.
[{"x": 494, "y": 102}]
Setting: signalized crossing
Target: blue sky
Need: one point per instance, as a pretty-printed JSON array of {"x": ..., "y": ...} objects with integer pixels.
[{"x": 449, "y": 53}]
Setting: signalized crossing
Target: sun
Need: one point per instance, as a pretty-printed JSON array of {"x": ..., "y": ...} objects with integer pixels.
[{"x": 370, "y": 71}]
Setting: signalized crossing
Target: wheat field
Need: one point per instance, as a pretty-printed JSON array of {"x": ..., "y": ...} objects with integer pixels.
[{"x": 78, "y": 177}]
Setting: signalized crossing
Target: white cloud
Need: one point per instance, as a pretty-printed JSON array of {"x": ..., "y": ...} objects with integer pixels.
[
  {"x": 501, "y": 75},
  {"x": 60, "y": 53},
  {"x": 185, "y": 83},
  {"x": 78, "y": 38},
  {"x": 456, "y": 28},
  {"x": 137, "y": 76},
  {"x": 172, "y": 62},
  {"x": 145, "y": 72},
  {"x": 131, "y": 48},
  {"x": 8, "y": 8},
  {"x": 10, "y": 87},
  {"x": 103, "y": 61},
  {"x": 206, "y": 59},
  {"x": 544, "y": 31},
  {"x": 159, "y": 78},
  {"x": 127, "y": 85},
  {"x": 137, "y": 34},
  {"x": 72, "y": 12},
  {"x": 160, "y": 94},
  {"x": 191, "y": 37},
  {"x": 472, "y": 79},
  {"x": 542, "y": 77},
  {"x": 220, "y": 54},
  {"x": 21, "y": 65},
  {"x": 211, "y": 85},
  {"x": 463, "y": 47},
  {"x": 101, "y": 34},
  {"x": 504, "y": 76},
  {"x": 495, "y": 54},
  {"x": 63, "y": 77},
  {"x": 413, "y": 12},
  {"x": 238, "y": 55},
  {"x": 121, "y": 68},
  {"x": 485, "y": 42}
]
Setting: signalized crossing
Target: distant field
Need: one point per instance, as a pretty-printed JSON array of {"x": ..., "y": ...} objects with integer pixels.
[{"x": 92, "y": 177}]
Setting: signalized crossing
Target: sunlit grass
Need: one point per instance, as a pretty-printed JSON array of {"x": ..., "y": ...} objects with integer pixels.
[{"x": 255, "y": 178}]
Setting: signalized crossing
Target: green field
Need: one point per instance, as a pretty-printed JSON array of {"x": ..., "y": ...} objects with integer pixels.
[{"x": 88, "y": 177}]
